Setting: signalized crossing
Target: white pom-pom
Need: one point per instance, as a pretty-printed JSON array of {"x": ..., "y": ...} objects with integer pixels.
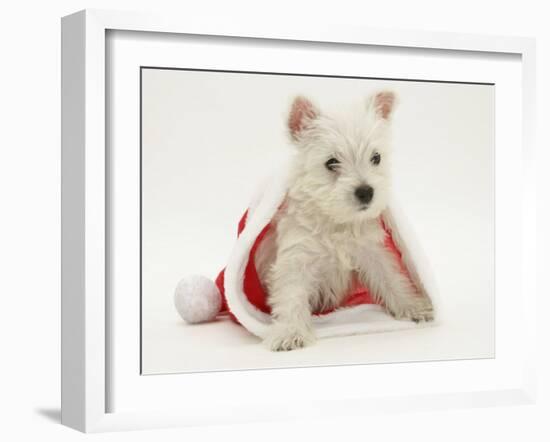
[{"x": 197, "y": 299}]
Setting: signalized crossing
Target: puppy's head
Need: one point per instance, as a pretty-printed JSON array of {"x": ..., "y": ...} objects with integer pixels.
[{"x": 342, "y": 166}]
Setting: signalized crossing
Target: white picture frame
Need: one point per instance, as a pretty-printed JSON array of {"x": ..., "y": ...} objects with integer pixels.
[{"x": 85, "y": 308}]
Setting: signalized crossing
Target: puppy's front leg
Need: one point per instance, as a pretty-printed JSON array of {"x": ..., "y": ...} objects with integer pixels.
[
  {"x": 290, "y": 290},
  {"x": 380, "y": 271}
]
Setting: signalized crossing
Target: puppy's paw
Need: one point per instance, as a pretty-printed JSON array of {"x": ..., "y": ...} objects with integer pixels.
[
  {"x": 421, "y": 309},
  {"x": 286, "y": 337}
]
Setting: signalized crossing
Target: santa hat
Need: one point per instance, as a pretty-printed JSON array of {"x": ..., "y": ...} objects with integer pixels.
[{"x": 237, "y": 290}]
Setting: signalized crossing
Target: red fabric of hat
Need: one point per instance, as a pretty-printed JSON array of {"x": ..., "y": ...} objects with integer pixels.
[{"x": 257, "y": 296}]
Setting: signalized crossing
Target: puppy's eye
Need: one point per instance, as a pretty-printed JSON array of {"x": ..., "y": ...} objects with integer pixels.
[
  {"x": 375, "y": 159},
  {"x": 332, "y": 164}
]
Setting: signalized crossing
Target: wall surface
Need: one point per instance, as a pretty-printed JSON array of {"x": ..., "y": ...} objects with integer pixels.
[{"x": 30, "y": 221}]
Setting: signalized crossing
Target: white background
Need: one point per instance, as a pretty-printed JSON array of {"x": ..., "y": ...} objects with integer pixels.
[
  {"x": 29, "y": 175},
  {"x": 210, "y": 137}
]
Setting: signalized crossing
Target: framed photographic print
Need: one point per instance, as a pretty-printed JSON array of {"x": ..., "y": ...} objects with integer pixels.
[{"x": 258, "y": 211}]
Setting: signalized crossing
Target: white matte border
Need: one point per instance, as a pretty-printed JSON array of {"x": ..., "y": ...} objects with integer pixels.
[
  {"x": 132, "y": 392},
  {"x": 196, "y": 410}
]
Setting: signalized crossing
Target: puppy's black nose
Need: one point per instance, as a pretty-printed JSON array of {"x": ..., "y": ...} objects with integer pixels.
[{"x": 364, "y": 193}]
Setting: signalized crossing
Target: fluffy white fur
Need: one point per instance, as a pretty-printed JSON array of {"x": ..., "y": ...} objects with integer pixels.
[{"x": 325, "y": 235}]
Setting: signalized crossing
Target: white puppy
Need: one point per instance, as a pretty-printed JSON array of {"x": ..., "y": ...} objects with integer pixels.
[{"x": 327, "y": 235}]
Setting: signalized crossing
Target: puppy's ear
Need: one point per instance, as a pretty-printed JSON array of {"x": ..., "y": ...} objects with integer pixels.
[
  {"x": 383, "y": 104},
  {"x": 302, "y": 114}
]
